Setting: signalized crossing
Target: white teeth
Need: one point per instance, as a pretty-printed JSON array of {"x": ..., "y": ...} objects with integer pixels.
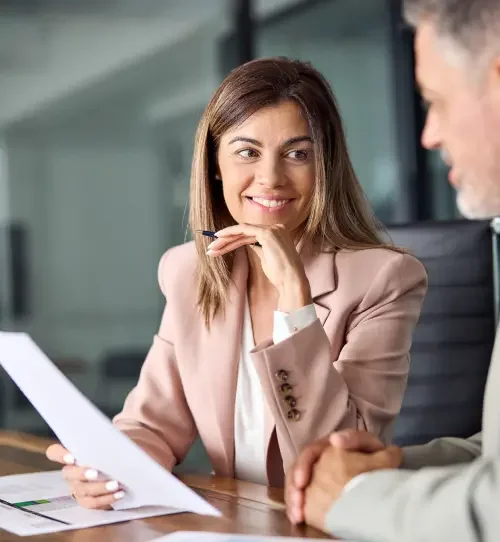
[{"x": 270, "y": 202}]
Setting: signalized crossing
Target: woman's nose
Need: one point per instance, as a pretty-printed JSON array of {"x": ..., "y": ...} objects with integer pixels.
[{"x": 270, "y": 174}]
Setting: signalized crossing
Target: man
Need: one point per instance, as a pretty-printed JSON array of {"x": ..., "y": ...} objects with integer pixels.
[{"x": 455, "y": 492}]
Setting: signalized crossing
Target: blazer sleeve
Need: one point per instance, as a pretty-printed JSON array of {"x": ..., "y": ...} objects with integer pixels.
[
  {"x": 364, "y": 387},
  {"x": 458, "y": 503},
  {"x": 156, "y": 415},
  {"x": 442, "y": 452}
]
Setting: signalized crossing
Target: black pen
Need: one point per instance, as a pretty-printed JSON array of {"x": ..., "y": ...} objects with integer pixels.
[{"x": 207, "y": 233}]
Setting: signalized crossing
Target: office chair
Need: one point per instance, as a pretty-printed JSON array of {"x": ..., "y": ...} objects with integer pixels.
[{"x": 453, "y": 340}]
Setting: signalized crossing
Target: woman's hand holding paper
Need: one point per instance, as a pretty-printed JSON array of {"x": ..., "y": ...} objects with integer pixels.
[{"x": 88, "y": 486}]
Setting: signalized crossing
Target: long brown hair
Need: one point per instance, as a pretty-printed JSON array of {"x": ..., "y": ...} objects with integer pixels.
[{"x": 340, "y": 216}]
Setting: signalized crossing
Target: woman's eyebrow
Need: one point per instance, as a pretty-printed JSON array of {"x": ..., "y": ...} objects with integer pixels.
[
  {"x": 257, "y": 143},
  {"x": 298, "y": 139},
  {"x": 245, "y": 140}
]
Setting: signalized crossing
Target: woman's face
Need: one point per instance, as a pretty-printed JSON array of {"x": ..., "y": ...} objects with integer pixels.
[{"x": 267, "y": 167}]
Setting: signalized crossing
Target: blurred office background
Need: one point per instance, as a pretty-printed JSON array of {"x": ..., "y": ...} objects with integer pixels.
[{"x": 99, "y": 101}]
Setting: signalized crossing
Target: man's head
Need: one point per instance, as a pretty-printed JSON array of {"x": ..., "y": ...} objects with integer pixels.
[{"x": 458, "y": 69}]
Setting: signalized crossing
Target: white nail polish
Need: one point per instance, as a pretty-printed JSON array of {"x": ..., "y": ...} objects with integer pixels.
[
  {"x": 211, "y": 245},
  {"x": 91, "y": 474},
  {"x": 209, "y": 252},
  {"x": 119, "y": 495},
  {"x": 111, "y": 486},
  {"x": 69, "y": 459}
]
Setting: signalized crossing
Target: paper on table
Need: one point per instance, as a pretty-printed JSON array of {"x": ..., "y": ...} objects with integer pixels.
[
  {"x": 187, "y": 536},
  {"x": 89, "y": 435},
  {"x": 46, "y": 493}
]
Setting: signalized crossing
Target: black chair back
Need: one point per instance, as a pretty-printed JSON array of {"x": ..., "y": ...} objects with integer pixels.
[{"x": 453, "y": 340}]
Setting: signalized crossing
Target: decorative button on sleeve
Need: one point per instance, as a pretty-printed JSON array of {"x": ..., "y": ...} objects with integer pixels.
[
  {"x": 282, "y": 375},
  {"x": 285, "y": 388}
]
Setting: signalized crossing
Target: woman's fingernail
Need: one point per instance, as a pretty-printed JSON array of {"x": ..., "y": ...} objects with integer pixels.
[
  {"x": 69, "y": 459},
  {"x": 209, "y": 252},
  {"x": 112, "y": 486},
  {"x": 211, "y": 245},
  {"x": 91, "y": 474},
  {"x": 119, "y": 495}
]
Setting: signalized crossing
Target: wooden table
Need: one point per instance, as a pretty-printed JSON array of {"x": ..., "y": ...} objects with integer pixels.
[{"x": 247, "y": 508}]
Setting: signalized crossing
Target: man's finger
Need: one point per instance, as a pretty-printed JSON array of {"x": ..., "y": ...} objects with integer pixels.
[
  {"x": 294, "y": 500},
  {"x": 296, "y": 506},
  {"x": 354, "y": 440},
  {"x": 390, "y": 458},
  {"x": 59, "y": 454},
  {"x": 302, "y": 470}
]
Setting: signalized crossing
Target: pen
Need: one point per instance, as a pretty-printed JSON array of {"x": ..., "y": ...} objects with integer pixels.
[{"x": 212, "y": 234}]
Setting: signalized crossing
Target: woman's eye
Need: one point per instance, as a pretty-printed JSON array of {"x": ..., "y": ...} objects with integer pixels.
[
  {"x": 248, "y": 153},
  {"x": 299, "y": 155}
]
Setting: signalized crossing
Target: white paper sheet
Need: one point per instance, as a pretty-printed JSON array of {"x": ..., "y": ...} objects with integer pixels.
[
  {"x": 186, "y": 536},
  {"x": 89, "y": 435},
  {"x": 46, "y": 493}
]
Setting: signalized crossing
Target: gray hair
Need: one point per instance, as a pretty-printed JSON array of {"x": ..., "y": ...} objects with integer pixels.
[{"x": 474, "y": 25}]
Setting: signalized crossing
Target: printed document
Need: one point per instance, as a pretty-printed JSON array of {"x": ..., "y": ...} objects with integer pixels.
[
  {"x": 89, "y": 435},
  {"x": 40, "y": 503}
]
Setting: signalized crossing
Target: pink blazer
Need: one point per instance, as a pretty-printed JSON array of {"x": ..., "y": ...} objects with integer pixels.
[{"x": 348, "y": 369}]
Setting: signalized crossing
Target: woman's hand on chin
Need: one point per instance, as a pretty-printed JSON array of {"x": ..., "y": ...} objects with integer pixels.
[{"x": 279, "y": 258}]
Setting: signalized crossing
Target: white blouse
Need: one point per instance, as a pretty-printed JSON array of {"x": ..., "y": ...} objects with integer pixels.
[{"x": 251, "y": 406}]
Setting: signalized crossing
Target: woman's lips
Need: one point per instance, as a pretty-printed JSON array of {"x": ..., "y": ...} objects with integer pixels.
[{"x": 271, "y": 205}]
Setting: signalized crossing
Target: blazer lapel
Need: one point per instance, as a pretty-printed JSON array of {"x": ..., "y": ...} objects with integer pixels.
[
  {"x": 222, "y": 350},
  {"x": 320, "y": 271}
]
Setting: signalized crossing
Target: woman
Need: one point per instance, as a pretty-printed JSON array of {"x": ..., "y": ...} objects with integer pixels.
[{"x": 265, "y": 347}]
